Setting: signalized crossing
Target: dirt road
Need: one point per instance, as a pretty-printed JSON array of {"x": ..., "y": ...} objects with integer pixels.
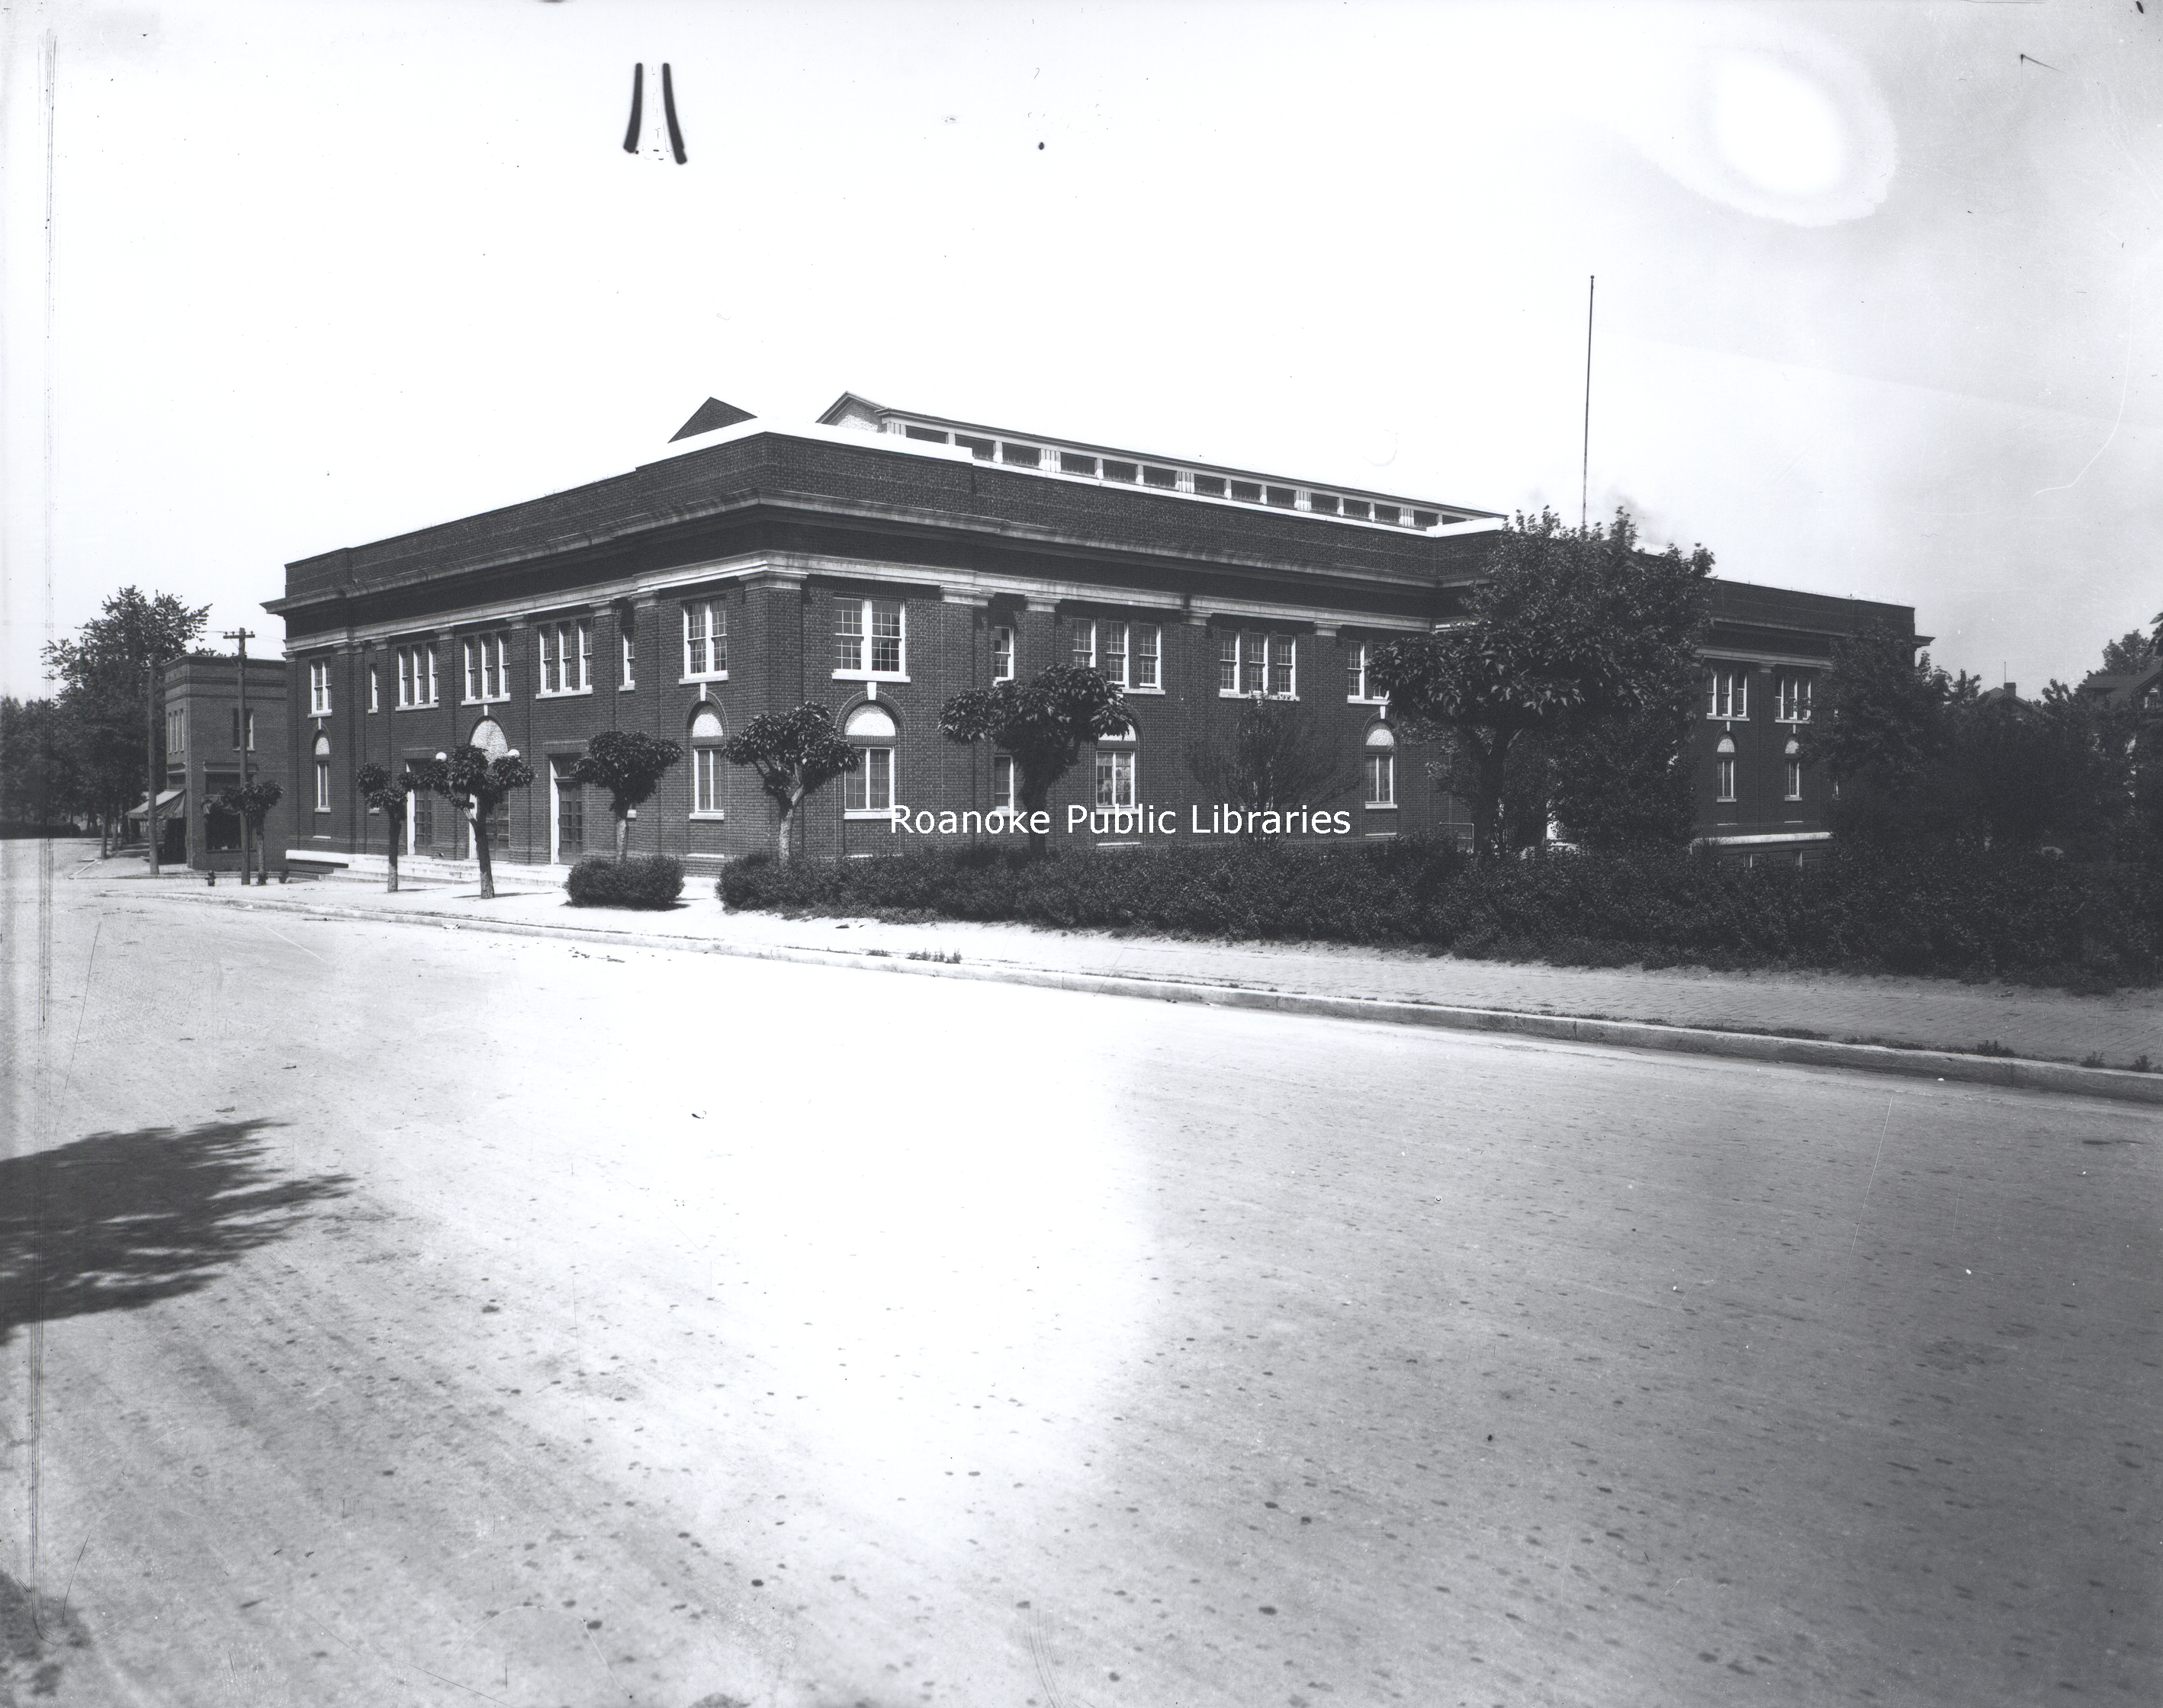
[{"x": 401, "y": 1315}]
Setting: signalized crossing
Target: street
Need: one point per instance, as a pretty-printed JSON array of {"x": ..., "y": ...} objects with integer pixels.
[{"x": 394, "y": 1314}]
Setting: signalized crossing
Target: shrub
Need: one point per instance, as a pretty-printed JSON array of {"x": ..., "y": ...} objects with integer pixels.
[
  {"x": 651, "y": 880},
  {"x": 1946, "y": 911}
]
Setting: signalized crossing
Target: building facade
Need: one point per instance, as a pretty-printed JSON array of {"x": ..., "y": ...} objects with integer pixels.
[
  {"x": 204, "y": 743},
  {"x": 877, "y": 561}
]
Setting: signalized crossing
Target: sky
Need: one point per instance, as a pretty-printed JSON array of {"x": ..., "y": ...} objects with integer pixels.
[{"x": 1876, "y": 311}]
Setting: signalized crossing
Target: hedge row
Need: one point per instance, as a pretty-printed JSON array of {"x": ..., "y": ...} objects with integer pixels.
[
  {"x": 1951, "y": 911},
  {"x": 653, "y": 880}
]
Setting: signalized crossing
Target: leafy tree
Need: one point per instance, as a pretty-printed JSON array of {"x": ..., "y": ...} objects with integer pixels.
[
  {"x": 1278, "y": 756},
  {"x": 391, "y": 796},
  {"x": 1884, "y": 733},
  {"x": 629, "y": 765},
  {"x": 467, "y": 777},
  {"x": 1572, "y": 628},
  {"x": 1626, "y": 782},
  {"x": 1044, "y": 723},
  {"x": 250, "y": 802},
  {"x": 111, "y": 668},
  {"x": 2131, "y": 651},
  {"x": 795, "y": 754},
  {"x": 38, "y": 782}
]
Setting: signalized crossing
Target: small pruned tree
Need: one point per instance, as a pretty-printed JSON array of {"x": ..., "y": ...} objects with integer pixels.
[
  {"x": 1044, "y": 723},
  {"x": 793, "y": 754},
  {"x": 1277, "y": 755},
  {"x": 629, "y": 765},
  {"x": 250, "y": 802},
  {"x": 391, "y": 796},
  {"x": 1571, "y": 627},
  {"x": 468, "y": 778}
]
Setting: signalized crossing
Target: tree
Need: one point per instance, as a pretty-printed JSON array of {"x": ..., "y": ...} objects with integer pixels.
[
  {"x": 1278, "y": 756},
  {"x": 1044, "y": 723},
  {"x": 795, "y": 754},
  {"x": 1626, "y": 782},
  {"x": 38, "y": 782},
  {"x": 111, "y": 668},
  {"x": 251, "y": 803},
  {"x": 391, "y": 797},
  {"x": 468, "y": 778},
  {"x": 629, "y": 765},
  {"x": 1884, "y": 733},
  {"x": 2131, "y": 651},
  {"x": 1572, "y": 628}
]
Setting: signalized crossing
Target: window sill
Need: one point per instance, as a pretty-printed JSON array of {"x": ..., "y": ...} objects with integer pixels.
[
  {"x": 1251, "y": 694},
  {"x": 691, "y": 681},
  {"x": 871, "y": 675},
  {"x": 419, "y": 706},
  {"x": 492, "y": 700},
  {"x": 1159, "y": 692},
  {"x": 563, "y": 693},
  {"x": 869, "y": 814},
  {"x": 708, "y": 817},
  {"x": 1364, "y": 700},
  {"x": 1381, "y": 806}
]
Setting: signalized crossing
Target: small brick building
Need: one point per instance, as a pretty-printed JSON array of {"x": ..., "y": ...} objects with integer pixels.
[
  {"x": 203, "y": 754},
  {"x": 876, "y": 561}
]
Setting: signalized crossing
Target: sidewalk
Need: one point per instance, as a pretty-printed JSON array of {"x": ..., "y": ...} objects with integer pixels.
[{"x": 1903, "y": 1013}]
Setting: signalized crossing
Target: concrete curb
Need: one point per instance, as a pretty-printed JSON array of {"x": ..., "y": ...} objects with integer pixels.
[{"x": 2010, "y": 1072}]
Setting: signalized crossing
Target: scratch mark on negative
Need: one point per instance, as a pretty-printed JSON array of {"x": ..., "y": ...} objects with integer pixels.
[
  {"x": 303, "y": 947},
  {"x": 1872, "y": 1181}
]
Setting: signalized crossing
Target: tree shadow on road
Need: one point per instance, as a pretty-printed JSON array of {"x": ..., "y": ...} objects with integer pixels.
[{"x": 116, "y": 1222}]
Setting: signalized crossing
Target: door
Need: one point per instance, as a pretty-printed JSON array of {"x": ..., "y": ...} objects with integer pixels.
[{"x": 567, "y": 813}]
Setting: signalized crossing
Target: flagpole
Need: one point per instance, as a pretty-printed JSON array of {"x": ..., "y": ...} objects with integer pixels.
[{"x": 1584, "y": 472}]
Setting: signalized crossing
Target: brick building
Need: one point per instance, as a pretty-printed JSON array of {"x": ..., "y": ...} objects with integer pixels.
[
  {"x": 876, "y": 561},
  {"x": 203, "y": 750}
]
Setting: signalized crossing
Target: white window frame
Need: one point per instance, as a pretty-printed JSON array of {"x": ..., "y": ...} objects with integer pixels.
[
  {"x": 1723, "y": 772},
  {"x": 1793, "y": 770},
  {"x": 867, "y": 613},
  {"x": 573, "y": 663},
  {"x": 1152, "y": 655},
  {"x": 1003, "y": 652},
  {"x": 627, "y": 675},
  {"x": 1084, "y": 645},
  {"x": 1791, "y": 699},
  {"x": 1356, "y": 669},
  {"x": 1256, "y": 655},
  {"x": 176, "y": 731},
  {"x": 323, "y": 758},
  {"x": 712, "y": 638},
  {"x": 1727, "y": 694},
  {"x": 416, "y": 676},
  {"x": 707, "y": 772},
  {"x": 374, "y": 687},
  {"x": 878, "y": 757},
  {"x": 1379, "y": 769},
  {"x": 1004, "y": 784},
  {"x": 232, "y": 730},
  {"x": 319, "y": 687},
  {"x": 491, "y": 653}
]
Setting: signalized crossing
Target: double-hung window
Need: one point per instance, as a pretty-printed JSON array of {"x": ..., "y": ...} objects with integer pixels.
[
  {"x": 1251, "y": 662},
  {"x": 707, "y": 764},
  {"x": 868, "y": 791},
  {"x": 1359, "y": 685},
  {"x": 416, "y": 676},
  {"x": 1723, "y": 770},
  {"x": 1002, "y": 655},
  {"x": 567, "y": 657},
  {"x": 487, "y": 668},
  {"x": 251, "y": 729},
  {"x": 319, "y": 687},
  {"x": 1147, "y": 660},
  {"x": 177, "y": 733},
  {"x": 1792, "y": 699},
  {"x": 1795, "y": 769},
  {"x": 1003, "y": 783},
  {"x": 1115, "y": 769},
  {"x": 1728, "y": 693},
  {"x": 705, "y": 641},
  {"x": 869, "y": 639},
  {"x": 323, "y": 757},
  {"x": 1381, "y": 767},
  {"x": 375, "y": 687},
  {"x": 627, "y": 676}
]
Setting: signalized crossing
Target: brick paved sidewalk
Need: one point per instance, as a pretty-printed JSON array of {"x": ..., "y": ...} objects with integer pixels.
[{"x": 2041, "y": 1025}]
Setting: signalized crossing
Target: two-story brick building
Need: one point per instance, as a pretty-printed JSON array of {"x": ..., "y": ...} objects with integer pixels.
[
  {"x": 876, "y": 561},
  {"x": 205, "y": 743}
]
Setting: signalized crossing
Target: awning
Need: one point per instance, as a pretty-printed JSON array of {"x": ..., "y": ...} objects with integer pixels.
[{"x": 141, "y": 809}]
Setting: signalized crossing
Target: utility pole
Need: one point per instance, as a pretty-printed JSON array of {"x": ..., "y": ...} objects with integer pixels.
[
  {"x": 244, "y": 636},
  {"x": 1584, "y": 472},
  {"x": 150, "y": 759}
]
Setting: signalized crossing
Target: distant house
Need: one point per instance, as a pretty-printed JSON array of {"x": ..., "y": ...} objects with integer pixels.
[{"x": 877, "y": 561}]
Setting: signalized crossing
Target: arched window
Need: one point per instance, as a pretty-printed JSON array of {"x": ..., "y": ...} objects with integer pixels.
[
  {"x": 1381, "y": 767},
  {"x": 489, "y": 737},
  {"x": 1723, "y": 769},
  {"x": 868, "y": 789},
  {"x": 1115, "y": 768},
  {"x": 706, "y": 763},
  {"x": 1795, "y": 770},
  {"x": 322, "y": 774}
]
